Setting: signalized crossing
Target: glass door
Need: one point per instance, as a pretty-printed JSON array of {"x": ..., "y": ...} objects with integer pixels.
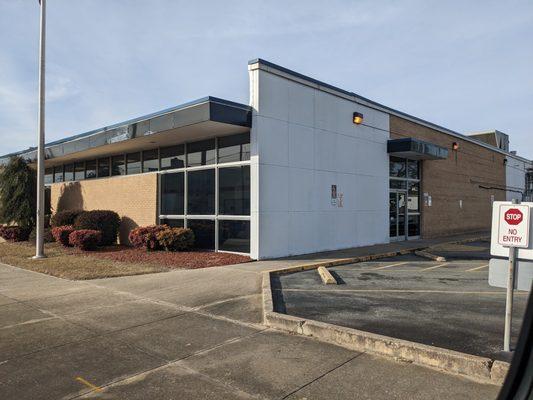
[{"x": 397, "y": 215}]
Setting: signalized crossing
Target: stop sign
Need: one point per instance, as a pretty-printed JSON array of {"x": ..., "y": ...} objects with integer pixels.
[{"x": 513, "y": 216}]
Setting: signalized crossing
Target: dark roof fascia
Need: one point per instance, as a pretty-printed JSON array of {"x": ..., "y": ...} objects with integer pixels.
[{"x": 220, "y": 110}]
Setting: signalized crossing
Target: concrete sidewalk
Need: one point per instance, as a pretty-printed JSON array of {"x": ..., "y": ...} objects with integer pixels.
[{"x": 185, "y": 334}]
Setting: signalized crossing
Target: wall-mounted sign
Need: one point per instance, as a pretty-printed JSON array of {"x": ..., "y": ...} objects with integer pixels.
[{"x": 334, "y": 195}]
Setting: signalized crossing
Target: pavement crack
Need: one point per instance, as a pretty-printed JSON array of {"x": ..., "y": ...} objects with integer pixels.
[{"x": 323, "y": 375}]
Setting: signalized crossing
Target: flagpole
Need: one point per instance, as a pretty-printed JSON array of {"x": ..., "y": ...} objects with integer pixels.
[{"x": 39, "y": 243}]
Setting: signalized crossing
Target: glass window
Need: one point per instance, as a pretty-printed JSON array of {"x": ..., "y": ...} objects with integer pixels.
[
  {"x": 79, "y": 171},
  {"x": 234, "y": 190},
  {"x": 173, "y": 157},
  {"x": 103, "y": 167},
  {"x": 172, "y": 194},
  {"x": 133, "y": 163},
  {"x": 90, "y": 169},
  {"x": 397, "y": 167},
  {"x": 204, "y": 233},
  {"x": 413, "y": 196},
  {"x": 413, "y": 171},
  {"x": 48, "y": 176},
  {"x": 413, "y": 226},
  {"x": 397, "y": 184},
  {"x": 69, "y": 172},
  {"x": 173, "y": 223},
  {"x": 150, "y": 160},
  {"x": 234, "y": 236},
  {"x": 58, "y": 173},
  {"x": 201, "y": 192},
  {"x": 201, "y": 153},
  {"x": 117, "y": 165},
  {"x": 234, "y": 148}
]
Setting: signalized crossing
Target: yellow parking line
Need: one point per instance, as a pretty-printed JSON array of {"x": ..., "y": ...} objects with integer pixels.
[
  {"x": 475, "y": 269},
  {"x": 89, "y": 384},
  {"x": 434, "y": 267},
  {"x": 392, "y": 265}
]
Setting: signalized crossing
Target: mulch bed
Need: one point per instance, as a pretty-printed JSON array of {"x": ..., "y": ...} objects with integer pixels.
[{"x": 184, "y": 259}]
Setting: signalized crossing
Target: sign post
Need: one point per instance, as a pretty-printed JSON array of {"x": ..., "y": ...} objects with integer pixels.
[{"x": 513, "y": 232}]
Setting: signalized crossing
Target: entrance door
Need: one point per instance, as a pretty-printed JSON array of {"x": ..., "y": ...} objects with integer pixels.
[{"x": 397, "y": 210}]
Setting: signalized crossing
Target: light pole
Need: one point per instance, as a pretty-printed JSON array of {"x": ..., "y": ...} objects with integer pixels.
[{"x": 39, "y": 242}]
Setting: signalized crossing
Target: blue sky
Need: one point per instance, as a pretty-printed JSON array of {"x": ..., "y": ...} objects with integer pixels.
[{"x": 466, "y": 65}]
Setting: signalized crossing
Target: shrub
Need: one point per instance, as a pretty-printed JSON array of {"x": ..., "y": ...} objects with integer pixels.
[
  {"x": 64, "y": 218},
  {"x": 48, "y": 237},
  {"x": 61, "y": 234},
  {"x": 105, "y": 221},
  {"x": 85, "y": 239},
  {"x": 14, "y": 233},
  {"x": 175, "y": 239},
  {"x": 18, "y": 192},
  {"x": 145, "y": 236}
]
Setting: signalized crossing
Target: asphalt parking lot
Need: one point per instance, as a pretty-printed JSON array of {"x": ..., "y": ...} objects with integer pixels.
[{"x": 445, "y": 304}]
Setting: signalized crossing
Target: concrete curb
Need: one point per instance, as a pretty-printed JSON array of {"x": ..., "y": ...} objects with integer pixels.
[
  {"x": 479, "y": 369},
  {"x": 431, "y": 256},
  {"x": 326, "y": 276}
]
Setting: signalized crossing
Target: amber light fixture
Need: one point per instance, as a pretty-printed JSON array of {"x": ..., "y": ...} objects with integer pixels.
[
  {"x": 455, "y": 146},
  {"x": 357, "y": 118}
]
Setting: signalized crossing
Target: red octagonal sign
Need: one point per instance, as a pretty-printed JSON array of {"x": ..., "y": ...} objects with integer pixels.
[{"x": 513, "y": 216}]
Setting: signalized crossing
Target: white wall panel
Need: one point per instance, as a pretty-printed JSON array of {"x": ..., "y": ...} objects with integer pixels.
[{"x": 306, "y": 142}]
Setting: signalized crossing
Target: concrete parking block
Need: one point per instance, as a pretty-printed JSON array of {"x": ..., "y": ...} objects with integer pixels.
[
  {"x": 52, "y": 373},
  {"x": 181, "y": 336},
  {"x": 269, "y": 364}
]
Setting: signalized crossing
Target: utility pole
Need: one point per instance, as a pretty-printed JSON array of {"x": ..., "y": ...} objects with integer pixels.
[{"x": 39, "y": 243}]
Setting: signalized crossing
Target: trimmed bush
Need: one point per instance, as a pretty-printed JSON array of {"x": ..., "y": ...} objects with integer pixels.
[
  {"x": 85, "y": 239},
  {"x": 105, "y": 221},
  {"x": 175, "y": 239},
  {"x": 48, "y": 237},
  {"x": 61, "y": 234},
  {"x": 145, "y": 236},
  {"x": 64, "y": 218},
  {"x": 14, "y": 233}
]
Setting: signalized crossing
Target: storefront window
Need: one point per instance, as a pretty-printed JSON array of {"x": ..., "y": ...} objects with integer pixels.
[
  {"x": 234, "y": 236},
  {"x": 201, "y": 192},
  {"x": 58, "y": 174},
  {"x": 204, "y": 233},
  {"x": 69, "y": 172},
  {"x": 133, "y": 163},
  {"x": 234, "y": 148},
  {"x": 79, "y": 171},
  {"x": 172, "y": 194},
  {"x": 397, "y": 167},
  {"x": 172, "y": 157},
  {"x": 201, "y": 153},
  {"x": 413, "y": 170},
  {"x": 234, "y": 190},
  {"x": 117, "y": 165},
  {"x": 48, "y": 176},
  {"x": 103, "y": 167},
  {"x": 90, "y": 169},
  {"x": 150, "y": 160}
]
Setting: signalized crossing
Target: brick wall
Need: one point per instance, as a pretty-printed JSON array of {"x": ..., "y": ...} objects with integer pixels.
[
  {"x": 457, "y": 178},
  {"x": 133, "y": 197}
]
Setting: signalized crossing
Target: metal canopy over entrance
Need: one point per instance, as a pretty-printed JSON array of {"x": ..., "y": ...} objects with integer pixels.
[{"x": 416, "y": 149}]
